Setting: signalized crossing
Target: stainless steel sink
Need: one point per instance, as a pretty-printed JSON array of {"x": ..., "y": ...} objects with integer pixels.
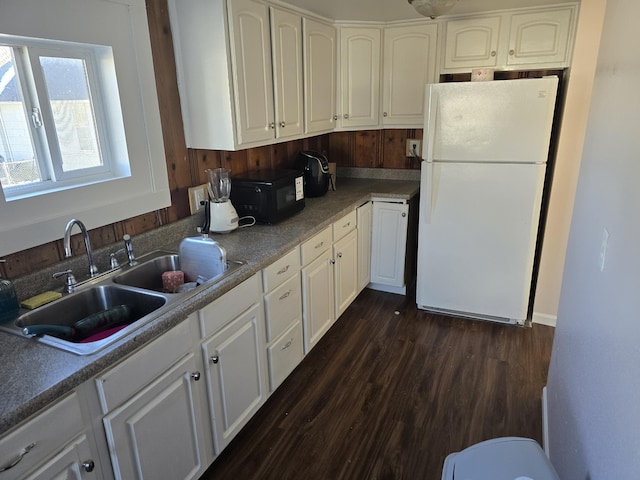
[
  {"x": 78, "y": 306},
  {"x": 148, "y": 275},
  {"x": 138, "y": 287}
]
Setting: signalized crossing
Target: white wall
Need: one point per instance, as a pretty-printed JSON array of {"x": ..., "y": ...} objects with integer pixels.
[
  {"x": 567, "y": 162},
  {"x": 594, "y": 378}
]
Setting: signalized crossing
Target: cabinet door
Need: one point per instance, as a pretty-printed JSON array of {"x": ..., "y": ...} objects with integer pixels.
[
  {"x": 472, "y": 43},
  {"x": 319, "y": 76},
  {"x": 360, "y": 76},
  {"x": 252, "y": 71},
  {"x": 389, "y": 243},
  {"x": 409, "y": 64},
  {"x": 317, "y": 298},
  {"x": 286, "y": 41},
  {"x": 235, "y": 374},
  {"x": 158, "y": 433},
  {"x": 364, "y": 244},
  {"x": 540, "y": 37},
  {"x": 345, "y": 253},
  {"x": 73, "y": 462}
]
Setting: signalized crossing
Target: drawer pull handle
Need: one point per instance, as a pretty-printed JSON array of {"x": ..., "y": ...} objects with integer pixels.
[
  {"x": 287, "y": 345},
  {"x": 195, "y": 376},
  {"x": 19, "y": 457},
  {"x": 319, "y": 245},
  {"x": 285, "y": 295},
  {"x": 284, "y": 270},
  {"x": 214, "y": 359},
  {"x": 88, "y": 465}
]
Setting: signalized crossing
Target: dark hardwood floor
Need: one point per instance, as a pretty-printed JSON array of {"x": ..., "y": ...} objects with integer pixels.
[{"x": 389, "y": 392}]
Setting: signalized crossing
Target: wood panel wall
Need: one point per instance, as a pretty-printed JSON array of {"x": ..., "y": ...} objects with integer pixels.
[{"x": 369, "y": 148}]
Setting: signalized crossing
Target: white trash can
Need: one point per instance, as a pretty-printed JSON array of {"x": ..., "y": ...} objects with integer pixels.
[{"x": 507, "y": 458}]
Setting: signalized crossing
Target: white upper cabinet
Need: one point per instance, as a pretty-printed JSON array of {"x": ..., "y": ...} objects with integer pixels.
[
  {"x": 472, "y": 43},
  {"x": 286, "y": 41},
  {"x": 409, "y": 64},
  {"x": 360, "y": 76},
  {"x": 320, "y": 62},
  {"x": 252, "y": 72},
  {"x": 513, "y": 40},
  {"x": 540, "y": 37}
]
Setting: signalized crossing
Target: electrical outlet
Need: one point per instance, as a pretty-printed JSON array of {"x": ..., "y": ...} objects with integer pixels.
[
  {"x": 413, "y": 148},
  {"x": 196, "y": 195}
]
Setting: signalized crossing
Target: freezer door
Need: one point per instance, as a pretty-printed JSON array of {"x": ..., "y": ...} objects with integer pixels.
[
  {"x": 506, "y": 121},
  {"x": 477, "y": 237}
]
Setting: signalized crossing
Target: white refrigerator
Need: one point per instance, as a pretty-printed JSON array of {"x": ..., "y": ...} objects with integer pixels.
[{"x": 485, "y": 150}]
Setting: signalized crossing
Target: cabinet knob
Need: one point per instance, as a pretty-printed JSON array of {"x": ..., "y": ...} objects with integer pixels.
[
  {"x": 346, "y": 115},
  {"x": 335, "y": 117},
  {"x": 282, "y": 124},
  {"x": 88, "y": 465},
  {"x": 272, "y": 125},
  {"x": 214, "y": 359},
  {"x": 332, "y": 261},
  {"x": 493, "y": 53},
  {"x": 385, "y": 114},
  {"x": 404, "y": 214},
  {"x": 339, "y": 255},
  {"x": 512, "y": 52},
  {"x": 195, "y": 376}
]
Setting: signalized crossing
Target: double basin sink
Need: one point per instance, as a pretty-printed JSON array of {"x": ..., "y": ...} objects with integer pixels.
[{"x": 134, "y": 293}]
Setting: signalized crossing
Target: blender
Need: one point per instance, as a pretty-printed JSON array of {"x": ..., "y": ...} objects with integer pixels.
[{"x": 224, "y": 217}]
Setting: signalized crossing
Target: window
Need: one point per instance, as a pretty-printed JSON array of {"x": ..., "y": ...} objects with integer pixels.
[
  {"x": 99, "y": 154},
  {"x": 55, "y": 131}
]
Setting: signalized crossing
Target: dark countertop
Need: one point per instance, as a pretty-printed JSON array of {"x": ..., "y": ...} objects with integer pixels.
[{"x": 34, "y": 375}]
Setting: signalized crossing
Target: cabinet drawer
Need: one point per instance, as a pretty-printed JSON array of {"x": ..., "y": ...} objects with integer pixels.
[
  {"x": 316, "y": 245},
  {"x": 221, "y": 311},
  {"x": 134, "y": 373},
  {"x": 285, "y": 355},
  {"x": 283, "y": 306},
  {"x": 281, "y": 270},
  {"x": 344, "y": 225},
  {"x": 42, "y": 437}
]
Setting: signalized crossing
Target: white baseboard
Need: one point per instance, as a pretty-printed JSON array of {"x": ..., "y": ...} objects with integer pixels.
[
  {"x": 545, "y": 422},
  {"x": 544, "y": 319},
  {"x": 388, "y": 288}
]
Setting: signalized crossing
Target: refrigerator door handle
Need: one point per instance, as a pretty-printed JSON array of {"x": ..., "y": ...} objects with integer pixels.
[
  {"x": 431, "y": 123},
  {"x": 426, "y": 182}
]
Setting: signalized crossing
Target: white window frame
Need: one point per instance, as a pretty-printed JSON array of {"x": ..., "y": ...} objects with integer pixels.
[
  {"x": 98, "y": 61},
  {"x": 122, "y": 26}
]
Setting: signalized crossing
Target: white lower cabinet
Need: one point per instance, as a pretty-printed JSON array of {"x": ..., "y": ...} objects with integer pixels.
[
  {"x": 318, "y": 297},
  {"x": 153, "y": 406},
  {"x": 345, "y": 252},
  {"x": 233, "y": 352},
  {"x": 389, "y": 246},
  {"x": 283, "y": 317},
  {"x": 73, "y": 462},
  {"x": 52, "y": 445},
  {"x": 363, "y": 220},
  {"x": 235, "y": 374},
  {"x": 157, "y": 433}
]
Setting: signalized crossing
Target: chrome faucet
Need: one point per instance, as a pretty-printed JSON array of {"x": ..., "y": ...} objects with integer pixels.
[
  {"x": 128, "y": 246},
  {"x": 93, "y": 270}
]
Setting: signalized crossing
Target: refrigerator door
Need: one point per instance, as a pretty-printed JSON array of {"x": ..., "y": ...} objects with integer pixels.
[
  {"x": 477, "y": 235},
  {"x": 505, "y": 121}
]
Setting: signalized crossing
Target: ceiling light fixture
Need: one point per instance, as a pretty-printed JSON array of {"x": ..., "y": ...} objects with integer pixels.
[{"x": 432, "y": 8}]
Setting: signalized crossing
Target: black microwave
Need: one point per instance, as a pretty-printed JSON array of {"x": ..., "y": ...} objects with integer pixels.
[{"x": 267, "y": 195}]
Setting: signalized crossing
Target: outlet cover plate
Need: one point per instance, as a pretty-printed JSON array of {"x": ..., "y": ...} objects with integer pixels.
[
  {"x": 413, "y": 148},
  {"x": 196, "y": 195}
]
